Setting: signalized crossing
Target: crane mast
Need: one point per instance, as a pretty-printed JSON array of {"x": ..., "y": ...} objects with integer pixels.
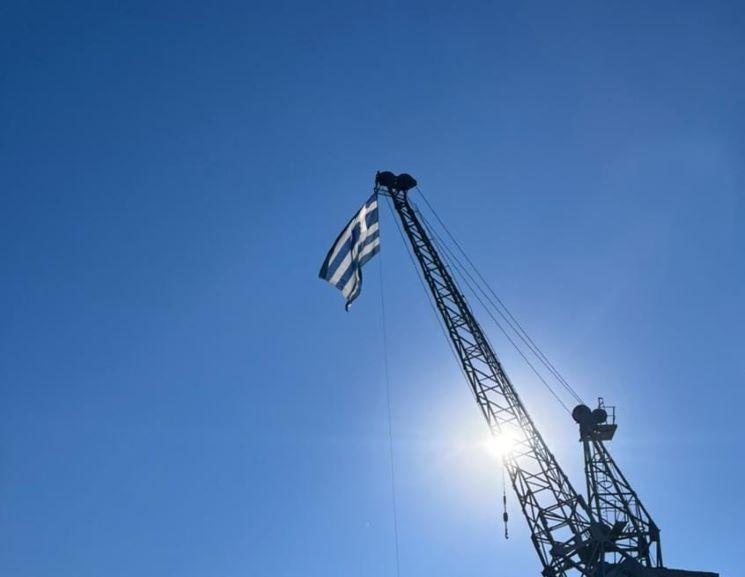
[
  {"x": 610, "y": 496},
  {"x": 608, "y": 535}
]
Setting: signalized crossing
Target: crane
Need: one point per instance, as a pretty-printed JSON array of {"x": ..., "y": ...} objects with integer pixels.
[
  {"x": 611, "y": 497},
  {"x": 606, "y": 534}
]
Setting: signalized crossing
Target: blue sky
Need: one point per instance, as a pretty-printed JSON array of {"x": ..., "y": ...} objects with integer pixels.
[{"x": 181, "y": 396}]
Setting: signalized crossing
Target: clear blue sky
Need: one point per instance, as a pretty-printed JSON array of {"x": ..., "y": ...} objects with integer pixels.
[{"x": 180, "y": 396}]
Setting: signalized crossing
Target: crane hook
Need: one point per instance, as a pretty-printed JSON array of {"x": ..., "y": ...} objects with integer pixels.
[
  {"x": 505, "y": 518},
  {"x": 505, "y": 515}
]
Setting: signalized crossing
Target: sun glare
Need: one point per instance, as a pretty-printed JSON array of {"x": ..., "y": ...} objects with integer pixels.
[{"x": 500, "y": 444}]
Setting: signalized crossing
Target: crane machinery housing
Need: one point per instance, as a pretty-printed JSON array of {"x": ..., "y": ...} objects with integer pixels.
[{"x": 607, "y": 532}]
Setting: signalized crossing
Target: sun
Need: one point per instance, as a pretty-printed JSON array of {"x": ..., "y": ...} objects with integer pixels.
[{"x": 500, "y": 444}]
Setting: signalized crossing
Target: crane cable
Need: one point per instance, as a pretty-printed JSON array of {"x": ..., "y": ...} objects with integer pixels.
[
  {"x": 491, "y": 296},
  {"x": 430, "y": 299},
  {"x": 443, "y": 330},
  {"x": 386, "y": 370},
  {"x": 509, "y": 318},
  {"x": 445, "y": 250},
  {"x": 456, "y": 269}
]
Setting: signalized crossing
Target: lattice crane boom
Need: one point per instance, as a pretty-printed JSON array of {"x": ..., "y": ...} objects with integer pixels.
[
  {"x": 558, "y": 517},
  {"x": 569, "y": 537}
]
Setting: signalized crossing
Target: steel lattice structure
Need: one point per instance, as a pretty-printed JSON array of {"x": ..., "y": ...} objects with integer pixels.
[
  {"x": 610, "y": 496},
  {"x": 569, "y": 537},
  {"x": 557, "y": 515}
]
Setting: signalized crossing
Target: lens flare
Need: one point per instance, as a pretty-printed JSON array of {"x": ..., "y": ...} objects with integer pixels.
[{"x": 500, "y": 444}]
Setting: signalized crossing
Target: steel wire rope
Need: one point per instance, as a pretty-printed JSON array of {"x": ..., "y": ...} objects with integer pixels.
[
  {"x": 432, "y": 304},
  {"x": 473, "y": 285},
  {"x": 390, "y": 417},
  {"x": 456, "y": 270},
  {"x": 507, "y": 315},
  {"x": 446, "y": 336},
  {"x": 518, "y": 327}
]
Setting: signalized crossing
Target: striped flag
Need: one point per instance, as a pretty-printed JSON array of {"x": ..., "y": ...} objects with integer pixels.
[{"x": 357, "y": 243}]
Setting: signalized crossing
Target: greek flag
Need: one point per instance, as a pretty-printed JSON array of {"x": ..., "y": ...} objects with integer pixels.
[{"x": 357, "y": 243}]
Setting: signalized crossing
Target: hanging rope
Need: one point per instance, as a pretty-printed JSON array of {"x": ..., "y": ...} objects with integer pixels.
[
  {"x": 510, "y": 318},
  {"x": 458, "y": 270},
  {"x": 505, "y": 515},
  {"x": 430, "y": 299},
  {"x": 394, "y": 507},
  {"x": 483, "y": 287},
  {"x": 491, "y": 304}
]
